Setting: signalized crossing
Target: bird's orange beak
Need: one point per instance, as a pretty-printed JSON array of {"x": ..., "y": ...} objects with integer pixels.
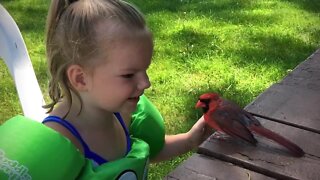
[{"x": 200, "y": 104}]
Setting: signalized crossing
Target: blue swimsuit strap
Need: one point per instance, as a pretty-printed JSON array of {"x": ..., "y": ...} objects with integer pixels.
[
  {"x": 88, "y": 153},
  {"x": 126, "y": 131}
]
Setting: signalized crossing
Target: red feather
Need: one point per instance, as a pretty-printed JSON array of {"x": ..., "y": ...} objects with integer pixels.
[{"x": 294, "y": 149}]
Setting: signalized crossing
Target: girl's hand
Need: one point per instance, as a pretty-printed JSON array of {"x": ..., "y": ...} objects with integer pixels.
[
  {"x": 181, "y": 143},
  {"x": 199, "y": 132}
]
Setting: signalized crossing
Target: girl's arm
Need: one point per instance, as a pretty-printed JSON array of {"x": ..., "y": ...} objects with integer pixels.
[{"x": 178, "y": 144}]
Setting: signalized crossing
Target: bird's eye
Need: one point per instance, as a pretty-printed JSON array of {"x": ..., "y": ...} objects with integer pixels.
[{"x": 206, "y": 101}]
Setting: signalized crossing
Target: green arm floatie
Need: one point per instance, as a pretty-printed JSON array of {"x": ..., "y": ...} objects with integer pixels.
[
  {"x": 30, "y": 150},
  {"x": 133, "y": 166},
  {"x": 147, "y": 124},
  {"x": 147, "y": 130}
]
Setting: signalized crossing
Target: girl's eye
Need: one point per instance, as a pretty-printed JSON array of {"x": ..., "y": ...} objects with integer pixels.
[{"x": 128, "y": 76}]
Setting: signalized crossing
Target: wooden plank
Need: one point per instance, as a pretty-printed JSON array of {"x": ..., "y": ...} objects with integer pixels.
[
  {"x": 200, "y": 167},
  {"x": 269, "y": 158},
  {"x": 306, "y": 74},
  {"x": 290, "y": 104},
  {"x": 294, "y": 100}
]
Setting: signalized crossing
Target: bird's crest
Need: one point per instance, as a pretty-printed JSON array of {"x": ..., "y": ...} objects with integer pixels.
[{"x": 209, "y": 96}]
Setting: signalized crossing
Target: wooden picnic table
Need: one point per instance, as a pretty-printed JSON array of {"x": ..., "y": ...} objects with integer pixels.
[{"x": 290, "y": 108}]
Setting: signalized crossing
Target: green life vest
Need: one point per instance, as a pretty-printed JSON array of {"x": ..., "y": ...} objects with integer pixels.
[{"x": 31, "y": 150}]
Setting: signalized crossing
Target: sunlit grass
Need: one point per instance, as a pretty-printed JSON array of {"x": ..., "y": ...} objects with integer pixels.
[{"x": 235, "y": 47}]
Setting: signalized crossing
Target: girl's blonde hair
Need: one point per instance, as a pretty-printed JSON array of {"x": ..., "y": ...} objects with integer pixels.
[{"x": 71, "y": 37}]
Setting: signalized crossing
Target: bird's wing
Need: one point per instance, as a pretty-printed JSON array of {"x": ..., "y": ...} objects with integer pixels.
[{"x": 231, "y": 121}]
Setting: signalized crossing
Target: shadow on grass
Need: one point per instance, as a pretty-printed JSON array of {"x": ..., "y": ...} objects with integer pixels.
[
  {"x": 308, "y": 5},
  {"x": 194, "y": 44},
  {"x": 230, "y": 11},
  {"x": 285, "y": 52},
  {"x": 214, "y": 7}
]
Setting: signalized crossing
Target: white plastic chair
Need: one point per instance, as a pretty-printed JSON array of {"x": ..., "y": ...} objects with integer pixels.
[{"x": 14, "y": 53}]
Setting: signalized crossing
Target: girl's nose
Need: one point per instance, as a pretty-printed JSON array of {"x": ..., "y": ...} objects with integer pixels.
[{"x": 144, "y": 83}]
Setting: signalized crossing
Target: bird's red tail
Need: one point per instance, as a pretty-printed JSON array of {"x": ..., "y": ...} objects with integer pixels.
[{"x": 293, "y": 148}]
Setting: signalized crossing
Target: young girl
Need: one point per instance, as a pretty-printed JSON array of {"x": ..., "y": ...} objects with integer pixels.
[{"x": 98, "y": 53}]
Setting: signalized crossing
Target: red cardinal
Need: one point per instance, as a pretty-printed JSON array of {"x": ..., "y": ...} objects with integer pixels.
[{"x": 228, "y": 117}]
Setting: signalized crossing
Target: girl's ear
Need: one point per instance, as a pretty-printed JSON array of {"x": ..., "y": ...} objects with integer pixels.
[{"x": 77, "y": 77}]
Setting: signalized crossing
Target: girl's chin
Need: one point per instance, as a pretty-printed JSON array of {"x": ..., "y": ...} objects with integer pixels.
[
  {"x": 133, "y": 101},
  {"x": 131, "y": 104}
]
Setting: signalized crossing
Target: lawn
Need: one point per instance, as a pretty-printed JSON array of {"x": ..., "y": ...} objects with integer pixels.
[{"x": 235, "y": 47}]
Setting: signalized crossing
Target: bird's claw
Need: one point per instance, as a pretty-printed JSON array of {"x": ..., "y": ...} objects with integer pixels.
[{"x": 220, "y": 135}]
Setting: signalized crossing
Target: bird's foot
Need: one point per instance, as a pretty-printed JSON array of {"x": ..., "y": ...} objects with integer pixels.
[{"x": 220, "y": 135}]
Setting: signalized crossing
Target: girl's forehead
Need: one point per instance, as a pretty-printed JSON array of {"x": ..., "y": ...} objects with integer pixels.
[
  {"x": 117, "y": 42},
  {"x": 125, "y": 52},
  {"x": 112, "y": 30},
  {"x": 126, "y": 43}
]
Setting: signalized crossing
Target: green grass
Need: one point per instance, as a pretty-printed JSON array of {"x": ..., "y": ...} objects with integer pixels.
[{"x": 235, "y": 47}]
